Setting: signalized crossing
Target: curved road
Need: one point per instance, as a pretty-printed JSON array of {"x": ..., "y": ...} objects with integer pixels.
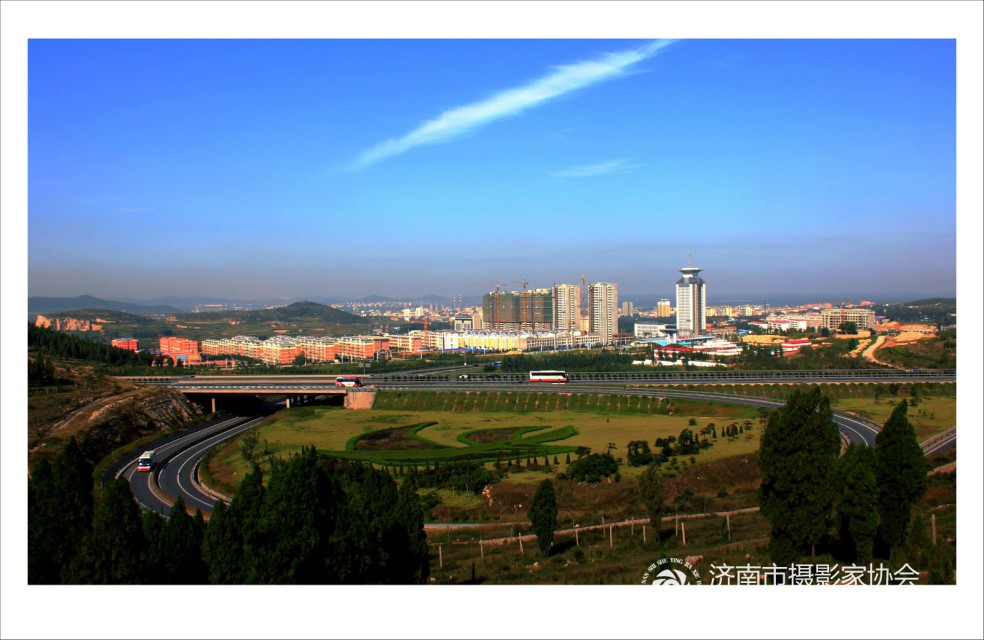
[{"x": 172, "y": 474}]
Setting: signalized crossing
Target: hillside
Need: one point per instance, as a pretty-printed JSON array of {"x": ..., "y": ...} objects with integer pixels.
[
  {"x": 928, "y": 311},
  {"x": 46, "y": 306},
  {"x": 300, "y": 318}
]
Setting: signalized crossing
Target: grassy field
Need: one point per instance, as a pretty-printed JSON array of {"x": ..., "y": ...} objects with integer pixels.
[{"x": 545, "y": 432}]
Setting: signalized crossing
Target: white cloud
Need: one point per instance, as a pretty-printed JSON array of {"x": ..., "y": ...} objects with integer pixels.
[
  {"x": 562, "y": 80},
  {"x": 599, "y": 169}
]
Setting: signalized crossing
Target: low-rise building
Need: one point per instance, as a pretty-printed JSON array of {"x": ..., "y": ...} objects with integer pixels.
[{"x": 125, "y": 343}]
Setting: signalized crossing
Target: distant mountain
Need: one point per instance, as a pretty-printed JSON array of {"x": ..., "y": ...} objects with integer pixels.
[
  {"x": 293, "y": 312},
  {"x": 375, "y": 298},
  {"x": 46, "y": 306},
  {"x": 933, "y": 302}
]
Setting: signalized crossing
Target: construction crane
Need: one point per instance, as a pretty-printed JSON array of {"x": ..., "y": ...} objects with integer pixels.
[
  {"x": 524, "y": 299},
  {"x": 495, "y": 300}
]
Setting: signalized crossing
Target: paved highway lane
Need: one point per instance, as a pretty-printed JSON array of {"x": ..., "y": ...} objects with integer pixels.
[
  {"x": 178, "y": 476},
  {"x": 147, "y": 488}
]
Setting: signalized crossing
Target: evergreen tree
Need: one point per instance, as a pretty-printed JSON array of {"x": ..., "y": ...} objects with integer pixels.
[
  {"x": 651, "y": 491},
  {"x": 180, "y": 549},
  {"x": 111, "y": 552},
  {"x": 60, "y": 507},
  {"x": 222, "y": 546},
  {"x": 413, "y": 562},
  {"x": 543, "y": 515},
  {"x": 43, "y": 524},
  {"x": 369, "y": 533},
  {"x": 797, "y": 454},
  {"x": 857, "y": 501},
  {"x": 901, "y": 473},
  {"x": 290, "y": 541},
  {"x": 152, "y": 525}
]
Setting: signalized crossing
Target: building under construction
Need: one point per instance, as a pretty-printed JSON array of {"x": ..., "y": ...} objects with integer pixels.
[{"x": 518, "y": 310}]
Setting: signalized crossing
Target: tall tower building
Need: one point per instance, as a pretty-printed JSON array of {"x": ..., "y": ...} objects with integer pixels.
[
  {"x": 567, "y": 307},
  {"x": 603, "y": 310},
  {"x": 691, "y": 296}
]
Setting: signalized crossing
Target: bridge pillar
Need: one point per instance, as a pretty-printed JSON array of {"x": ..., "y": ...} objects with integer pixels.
[
  {"x": 288, "y": 402},
  {"x": 213, "y": 404}
]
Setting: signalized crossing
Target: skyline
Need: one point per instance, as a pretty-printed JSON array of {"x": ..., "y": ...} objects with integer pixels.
[{"x": 279, "y": 168}]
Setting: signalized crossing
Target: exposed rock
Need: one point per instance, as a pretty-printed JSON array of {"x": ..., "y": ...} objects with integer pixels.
[{"x": 157, "y": 411}]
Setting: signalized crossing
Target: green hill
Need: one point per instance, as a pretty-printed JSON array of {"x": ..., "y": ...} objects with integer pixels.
[
  {"x": 300, "y": 318},
  {"x": 46, "y": 306}
]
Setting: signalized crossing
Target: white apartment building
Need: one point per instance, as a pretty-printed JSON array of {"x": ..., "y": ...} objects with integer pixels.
[
  {"x": 603, "y": 310},
  {"x": 567, "y": 307}
]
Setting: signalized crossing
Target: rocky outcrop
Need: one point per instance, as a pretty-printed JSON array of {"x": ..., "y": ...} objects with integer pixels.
[
  {"x": 153, "y": 412},
  {"x": 70, "y": 324}
]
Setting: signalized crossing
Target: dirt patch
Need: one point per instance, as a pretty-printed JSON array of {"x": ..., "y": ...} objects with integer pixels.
[
  {"x": 398, "y": 439},
  {"x": 491, "y": 435}
]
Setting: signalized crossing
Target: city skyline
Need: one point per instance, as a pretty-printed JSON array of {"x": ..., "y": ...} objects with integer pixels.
[{"x": 280, "y": 168}]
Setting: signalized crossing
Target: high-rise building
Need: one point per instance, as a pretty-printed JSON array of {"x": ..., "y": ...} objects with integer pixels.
[
  {"x": 628, "y": 309},
  {"x": 603, "y": 310},
  {"x": 515, "y": 310},
  {"x": 663, "y": 308},
  {"x": 691, "y": 295},
  {"x": 567, "y": 307}
]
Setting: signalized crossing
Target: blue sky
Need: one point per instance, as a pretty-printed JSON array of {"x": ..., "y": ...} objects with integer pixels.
[{"x": 280, "y": 168}]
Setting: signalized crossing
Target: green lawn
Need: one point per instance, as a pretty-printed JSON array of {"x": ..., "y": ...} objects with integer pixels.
[{"x": 554, "y": 433}]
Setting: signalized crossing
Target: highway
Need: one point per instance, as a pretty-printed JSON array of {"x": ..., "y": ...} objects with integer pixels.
[{"x": 173, "y": 473}]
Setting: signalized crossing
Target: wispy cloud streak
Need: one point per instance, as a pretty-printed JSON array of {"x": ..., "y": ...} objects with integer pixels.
[
  {"x": 561, "y": 80},
  {"x": 599, "y": 169}
]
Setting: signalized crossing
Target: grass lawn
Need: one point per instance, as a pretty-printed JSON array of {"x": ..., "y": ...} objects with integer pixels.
[{"x": 331, "y": 428}]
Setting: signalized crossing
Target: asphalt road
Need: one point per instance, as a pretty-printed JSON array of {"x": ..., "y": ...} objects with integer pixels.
[{"x": 172, "y": 474}]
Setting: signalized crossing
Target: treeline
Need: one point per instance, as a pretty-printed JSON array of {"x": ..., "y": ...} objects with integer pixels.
[
  {"x": 63, "y": 345},
  {"x": 458, "y": 476},
  {"x": 858, "y": 505},
  {"x": 313, "y": 521},
  {"x": 580, "y": 360}
]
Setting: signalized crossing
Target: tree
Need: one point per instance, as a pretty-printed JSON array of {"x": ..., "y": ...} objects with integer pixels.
[
  {"x": 543, "y": 515},
  {"x": 60, "y": 508},
  {"x": 651, "y": 491},
  {"x": 901, "y": 472},
  {"x": 180, "y": 547},
  {"x": 797, "y": 454},
  {"x": 593, "y": 467},
  {"x": 857, "y": 502},
  {"x": 639, "y": 454},
  {"x": 414, "y": 560},
  {"x": 848, "y": 327},
  {"x": 112, "y": 550},
  {"x": 289, "y": 541},
  {"x": 249, "y": 446},
  {"x": 231, "y": 531}
]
